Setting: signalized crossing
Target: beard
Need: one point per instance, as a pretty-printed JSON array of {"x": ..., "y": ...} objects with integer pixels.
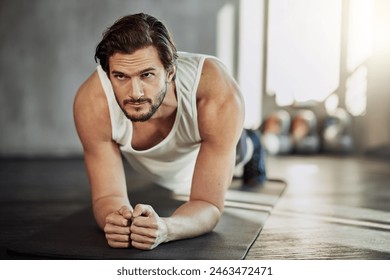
[{"x": 153, "y": 106}]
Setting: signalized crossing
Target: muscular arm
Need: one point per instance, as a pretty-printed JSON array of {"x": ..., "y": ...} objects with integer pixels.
[
  {"x": 220, "y": 118},
  {"x": 101, "y": 154}
]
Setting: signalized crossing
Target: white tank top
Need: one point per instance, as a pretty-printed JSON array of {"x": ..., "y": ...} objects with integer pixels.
[{"x": 170, "y": 163}]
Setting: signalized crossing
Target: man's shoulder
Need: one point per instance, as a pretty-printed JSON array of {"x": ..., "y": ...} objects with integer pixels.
[
  {"x": 91, "y": 85},
  {"x": 91, "y": 92},
  {"x": 216, "y": 80},
  {"x": 90, "y": 105},
  {"x": 218, "y": 96},
  {"x": 216, "y": 85}
]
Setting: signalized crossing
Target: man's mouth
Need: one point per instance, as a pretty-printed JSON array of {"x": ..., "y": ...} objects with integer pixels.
[{"x": 135, "y": 102}]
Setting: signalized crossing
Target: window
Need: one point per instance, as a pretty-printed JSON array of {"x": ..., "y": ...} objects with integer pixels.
[{"x": 303, "y": 54}]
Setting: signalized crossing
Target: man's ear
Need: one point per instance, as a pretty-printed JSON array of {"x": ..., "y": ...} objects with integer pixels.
[{"x": 171, "y": 74}]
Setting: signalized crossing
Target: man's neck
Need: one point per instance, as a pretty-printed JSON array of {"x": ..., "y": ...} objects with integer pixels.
[{"x": 150, "y": 133}]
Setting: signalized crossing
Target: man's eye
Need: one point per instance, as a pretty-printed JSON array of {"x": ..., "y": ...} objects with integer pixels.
[
  {"x": 120, "y": 77},
  {"x": 147, "y": 75}
]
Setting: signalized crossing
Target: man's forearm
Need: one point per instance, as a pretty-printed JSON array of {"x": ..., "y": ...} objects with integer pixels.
[
  {"x": 104, "y": 206},
  {"x": 192, "y": 219}
]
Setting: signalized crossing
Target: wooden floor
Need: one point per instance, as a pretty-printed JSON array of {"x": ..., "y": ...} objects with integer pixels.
[{"x": 333, "y": 207}]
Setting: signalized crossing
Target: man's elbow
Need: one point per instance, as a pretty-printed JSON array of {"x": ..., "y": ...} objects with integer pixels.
[{"x": 215, "y": 215}]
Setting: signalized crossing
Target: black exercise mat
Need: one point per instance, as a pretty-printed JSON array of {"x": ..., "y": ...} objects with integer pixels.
[{"x": 78, "y": 237}]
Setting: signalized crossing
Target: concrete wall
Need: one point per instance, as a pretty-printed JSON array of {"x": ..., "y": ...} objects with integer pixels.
[{"x": 46, "y": 52}]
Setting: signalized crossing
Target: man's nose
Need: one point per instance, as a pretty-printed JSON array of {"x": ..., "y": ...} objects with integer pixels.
[{"x": 136, "y": 91}]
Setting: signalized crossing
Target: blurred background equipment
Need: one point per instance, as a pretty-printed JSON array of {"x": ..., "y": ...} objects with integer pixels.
[
  {"x": 304, "y": 132},
  {"x": 337, "y": 133},
  {"x": 276, "y": 133}
]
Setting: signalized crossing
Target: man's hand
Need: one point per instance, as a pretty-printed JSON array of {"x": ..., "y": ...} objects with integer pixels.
[
  {"x": 117, "y": 228},
  {"x": 148, "y": 230}
]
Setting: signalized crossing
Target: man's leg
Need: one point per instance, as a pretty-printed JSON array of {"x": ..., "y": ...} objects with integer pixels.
[{"x": 250, "y": 159}]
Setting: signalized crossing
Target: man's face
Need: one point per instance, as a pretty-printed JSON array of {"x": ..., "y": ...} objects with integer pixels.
[{"x": 139, "y": 81}]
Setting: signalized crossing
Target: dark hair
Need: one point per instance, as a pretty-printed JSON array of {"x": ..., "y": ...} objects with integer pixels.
[{"x": 134, "y": 32}]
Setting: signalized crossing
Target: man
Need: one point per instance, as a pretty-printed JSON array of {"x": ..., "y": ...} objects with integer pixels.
[{"x": 176, "y": 117}]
